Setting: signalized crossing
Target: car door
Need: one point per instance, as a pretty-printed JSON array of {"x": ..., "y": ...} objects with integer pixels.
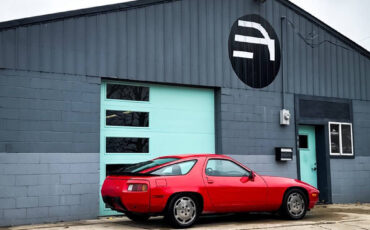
[{"x": 230, "y": 188}]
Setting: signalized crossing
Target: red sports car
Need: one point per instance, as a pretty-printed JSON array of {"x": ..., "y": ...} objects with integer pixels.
[{"x": 182, "y": 187}]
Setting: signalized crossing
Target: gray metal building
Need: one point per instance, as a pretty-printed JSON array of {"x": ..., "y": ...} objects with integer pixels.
[{"x": 64, "y": 76}]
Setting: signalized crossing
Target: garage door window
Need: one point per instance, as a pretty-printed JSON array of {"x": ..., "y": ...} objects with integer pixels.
[
  {"x": 340, "y": 139},
  {"x": 127, "y": 118},
  {"x": 127, "y": 92},
  {"x": 127, "y": 145}
]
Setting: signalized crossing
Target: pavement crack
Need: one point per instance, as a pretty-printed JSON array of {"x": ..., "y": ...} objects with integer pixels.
[{"x": 359, "y": 227}]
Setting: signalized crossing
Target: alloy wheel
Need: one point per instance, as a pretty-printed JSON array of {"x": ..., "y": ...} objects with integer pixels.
[
  {"x": 184, "y": 210},
  {"x": 295, "y": 204}
]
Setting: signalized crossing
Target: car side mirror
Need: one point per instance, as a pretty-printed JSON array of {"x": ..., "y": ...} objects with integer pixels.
[{"x": 251, "y": 176}]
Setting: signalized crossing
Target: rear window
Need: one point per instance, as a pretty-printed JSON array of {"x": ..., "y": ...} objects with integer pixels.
[
  {"x": 147, "y": 165},
  {"x": 178, "y": 169}
]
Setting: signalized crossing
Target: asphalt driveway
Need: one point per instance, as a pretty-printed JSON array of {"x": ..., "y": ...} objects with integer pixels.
[{"x": 349, "y": 216}]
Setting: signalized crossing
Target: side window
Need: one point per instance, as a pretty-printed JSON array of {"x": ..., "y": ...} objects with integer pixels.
[
  {"x": 218, "y": 167},
  {"x": 340, "y": 138},
  {"x": 175, "y": 169}
]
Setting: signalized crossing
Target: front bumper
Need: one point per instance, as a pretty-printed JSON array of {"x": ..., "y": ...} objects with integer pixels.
[{"x": 314, "y": 198}]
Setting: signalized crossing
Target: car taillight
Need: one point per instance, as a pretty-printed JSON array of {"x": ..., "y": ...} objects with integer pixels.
[{"x": 137, "y": 187}]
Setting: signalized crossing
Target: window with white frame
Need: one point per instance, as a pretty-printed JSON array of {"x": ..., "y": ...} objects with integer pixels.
[{"x": 340, "y": 139}]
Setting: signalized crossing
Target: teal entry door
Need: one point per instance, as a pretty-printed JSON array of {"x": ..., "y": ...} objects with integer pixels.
[
  {"x": 307, "y": 155},
  {"x": 141, "y": 121}
]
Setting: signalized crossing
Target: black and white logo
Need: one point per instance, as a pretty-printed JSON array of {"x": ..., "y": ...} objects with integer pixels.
[{"x": 254, "y": 51}]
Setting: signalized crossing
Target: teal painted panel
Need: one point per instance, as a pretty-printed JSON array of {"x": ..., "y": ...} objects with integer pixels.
[
  {"x": 307, "y": 156},
  {"x": 181, "y": 120}
]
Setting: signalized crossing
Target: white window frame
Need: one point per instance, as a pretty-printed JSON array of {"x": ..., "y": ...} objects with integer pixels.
[{"x": 340, "y": 139}]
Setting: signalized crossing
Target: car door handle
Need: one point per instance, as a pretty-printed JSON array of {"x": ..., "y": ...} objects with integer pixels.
[{"x": 210, "y": 181}]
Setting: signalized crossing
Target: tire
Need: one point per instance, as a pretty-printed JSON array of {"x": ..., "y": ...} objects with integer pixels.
[
  {"x": 182, "y": 211},
  {"x": 136, "y": 217},
  {"x": 294, "y": 204}
]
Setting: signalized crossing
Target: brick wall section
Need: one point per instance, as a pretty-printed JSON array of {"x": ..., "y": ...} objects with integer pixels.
[
  {"x": 46, "y": 187},
  {"x": 49, "y": 147},
  {"x": 44, "y": 112},
  {"x": 267, "y": 165},
  {"x": 250, "y": 122},
  {"x": 250, "y": 129},
  {"x": 350, "y": 177}
]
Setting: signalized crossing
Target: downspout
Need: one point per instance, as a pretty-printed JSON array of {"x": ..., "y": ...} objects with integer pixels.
[{"x": 282, "y": 63}]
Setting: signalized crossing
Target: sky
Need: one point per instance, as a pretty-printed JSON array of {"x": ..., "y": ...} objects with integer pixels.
[{"x": 349, "y": 17}]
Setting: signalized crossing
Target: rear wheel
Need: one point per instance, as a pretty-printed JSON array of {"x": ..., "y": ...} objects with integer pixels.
[
  {"x": 182, "y": 211},
  {"x": 294, "y": 204},
  {"x": 137, "y": 217}
]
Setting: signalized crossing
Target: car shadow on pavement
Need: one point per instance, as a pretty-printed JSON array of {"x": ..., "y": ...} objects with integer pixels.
[{"x": 207, "y": 220}]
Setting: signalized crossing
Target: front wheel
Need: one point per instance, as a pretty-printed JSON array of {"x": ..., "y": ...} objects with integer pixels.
[
  {"x": 137, "y": 217},
  {"x": 182, "y": 211},
  {"x": 294, "y": 204}
]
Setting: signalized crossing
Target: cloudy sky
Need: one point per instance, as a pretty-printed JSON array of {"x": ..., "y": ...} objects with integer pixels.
[{"x": 351, "y": 18}]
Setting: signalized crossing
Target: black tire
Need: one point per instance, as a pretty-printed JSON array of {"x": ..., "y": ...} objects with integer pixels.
[
  {"x": 182, "y": 211},
  {"x": 294, "y": 206},
  {"x": 137, "y": 217}
]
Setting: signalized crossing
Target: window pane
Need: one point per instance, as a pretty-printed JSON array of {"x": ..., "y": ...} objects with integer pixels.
[
  {"x": 148, "y": 164},
  {"x": 127, "y": 118},
  {"x": 334, "y": 137},
  {"x": 127, "y": 92},
  {"x": 346, "y": 139},
  {"x": 127, "y": 145},
  {"x": 225, "y": 168},
  {"x": 175, "y": 169},
  {"x": 303, "y": 141}
]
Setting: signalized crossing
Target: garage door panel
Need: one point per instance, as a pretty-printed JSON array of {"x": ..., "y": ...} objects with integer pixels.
[
  {"x": 173, "y": 120},
  {"x": 170, "y": 144},
  {"x": 175, "y": 97},
  {"x": 182, "y": 121}
]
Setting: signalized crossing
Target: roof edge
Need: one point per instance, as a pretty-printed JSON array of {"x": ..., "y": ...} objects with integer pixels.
[
  {"x": 143, "y": 3},
  {"x": 79, "y": 12}
]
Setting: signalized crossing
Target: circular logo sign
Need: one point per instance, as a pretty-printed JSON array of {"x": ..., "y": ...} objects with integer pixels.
[{"x": 254, "y": 51}]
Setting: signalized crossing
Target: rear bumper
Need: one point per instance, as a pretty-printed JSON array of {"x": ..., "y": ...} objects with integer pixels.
[
  {"x": 114, "y": 203},
  {"x": 131, "y": 202},
  {"x": 116, "y": 195}
]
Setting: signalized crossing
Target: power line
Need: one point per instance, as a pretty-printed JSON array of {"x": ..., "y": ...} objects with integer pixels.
[{"x": 308, "y": 41}]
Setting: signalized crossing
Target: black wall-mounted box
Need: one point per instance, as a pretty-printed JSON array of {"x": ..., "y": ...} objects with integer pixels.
[{"x": 284, "y": 153}]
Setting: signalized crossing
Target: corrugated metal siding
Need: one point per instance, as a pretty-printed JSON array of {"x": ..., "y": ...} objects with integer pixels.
[{"x": 184, "y": 42}]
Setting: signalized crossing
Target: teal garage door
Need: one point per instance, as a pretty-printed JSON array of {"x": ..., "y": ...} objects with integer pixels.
[{"x": 143, "y": 121}]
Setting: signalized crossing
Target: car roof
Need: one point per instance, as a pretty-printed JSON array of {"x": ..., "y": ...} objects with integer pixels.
[{"x": 184, "y": 156}]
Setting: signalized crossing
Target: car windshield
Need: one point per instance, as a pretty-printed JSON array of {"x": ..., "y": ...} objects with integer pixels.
[{"x": 136, "y": 168}]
